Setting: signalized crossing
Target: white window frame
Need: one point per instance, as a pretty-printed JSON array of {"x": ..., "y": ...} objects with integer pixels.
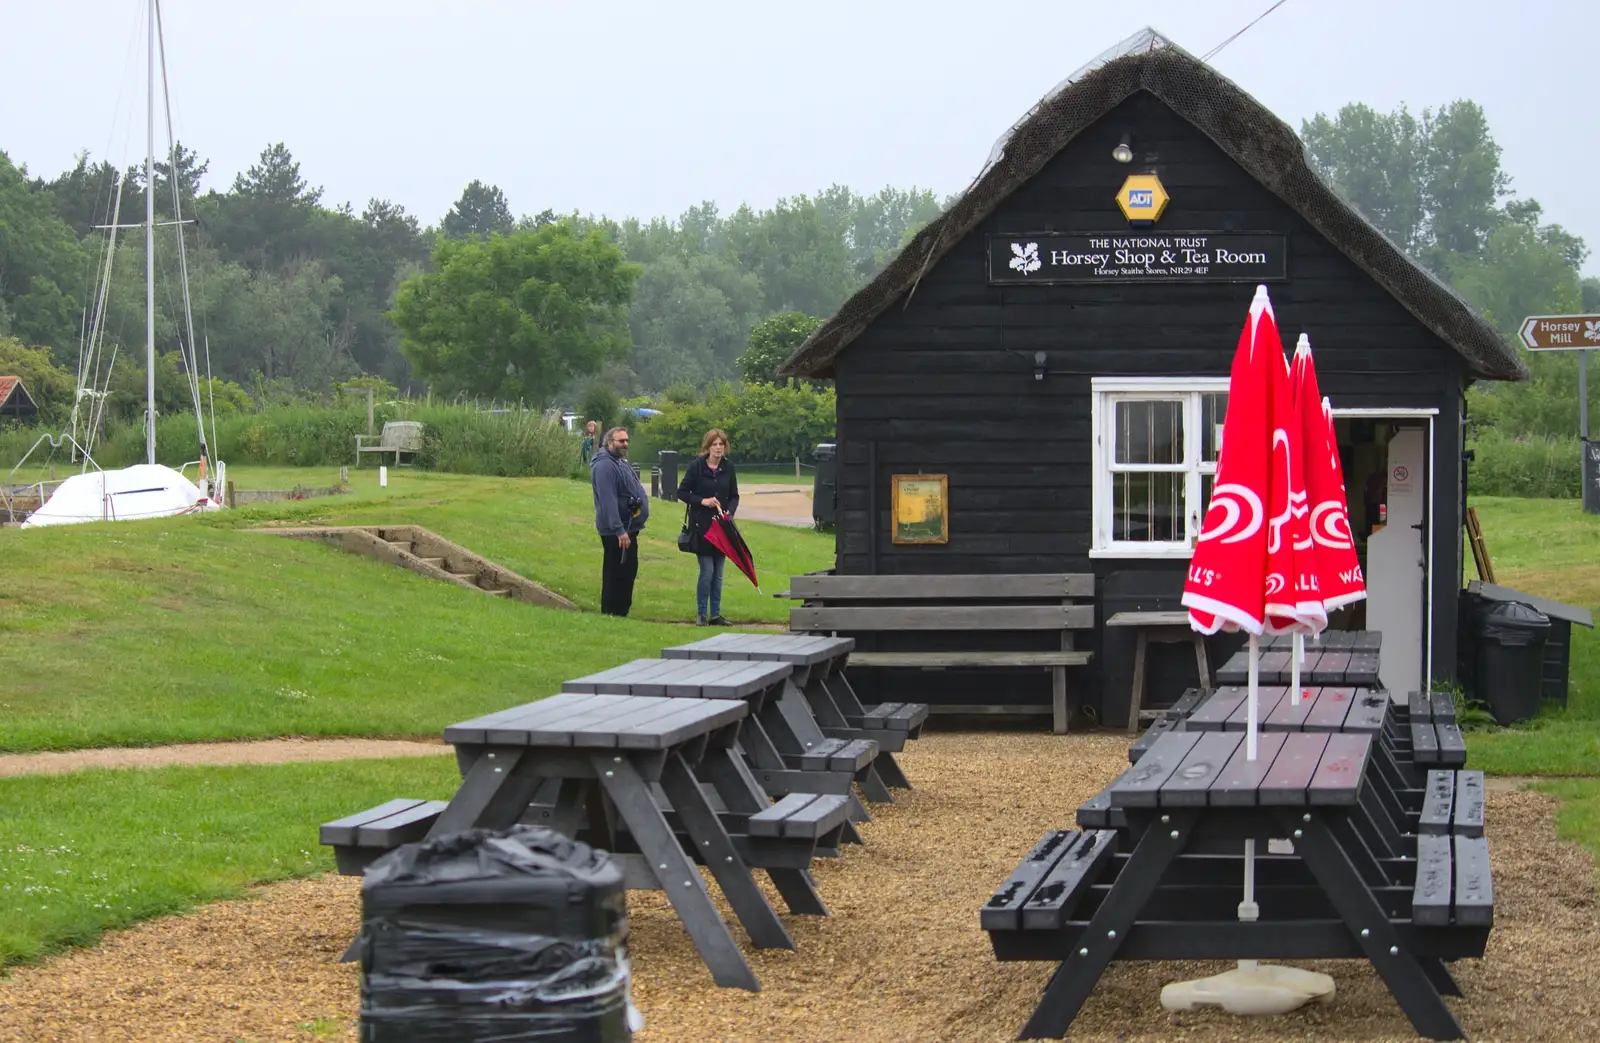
[{"x": 1107, "y": 392}]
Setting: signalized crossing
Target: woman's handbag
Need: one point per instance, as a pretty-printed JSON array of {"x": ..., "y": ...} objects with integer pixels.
[{"x": 685, "y": 537}]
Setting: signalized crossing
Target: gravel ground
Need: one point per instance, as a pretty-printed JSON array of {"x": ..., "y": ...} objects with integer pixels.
[{"x": 900, "y": 960}]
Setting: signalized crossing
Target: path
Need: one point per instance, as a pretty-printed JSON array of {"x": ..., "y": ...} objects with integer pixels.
[
  {"x": 780, "y": 504},
  {"x": 264, "y": 751}
]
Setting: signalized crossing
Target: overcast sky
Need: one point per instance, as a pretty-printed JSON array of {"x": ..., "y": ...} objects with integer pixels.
[{"x": 633, "y": 107}]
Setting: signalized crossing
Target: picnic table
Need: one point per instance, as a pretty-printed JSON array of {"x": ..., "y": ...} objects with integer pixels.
[
  {"x": 604, "y": 755},
  {"x": 612, "y": 748},
  {"x": 817, "y": 664},
  {"x": 1337, "y": 657},
  {"x": 780, "y": 739},
  {"x": 1359, "y": 862}
]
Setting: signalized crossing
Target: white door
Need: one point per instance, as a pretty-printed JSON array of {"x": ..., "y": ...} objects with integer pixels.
[{"x": 1397, "y": 566}]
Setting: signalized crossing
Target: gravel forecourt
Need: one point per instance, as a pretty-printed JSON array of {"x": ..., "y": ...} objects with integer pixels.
[{"x": 901, "y": 958}]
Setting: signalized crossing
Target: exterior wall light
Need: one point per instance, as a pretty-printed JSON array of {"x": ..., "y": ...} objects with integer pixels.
[
  {"x": 1038, "y": 365},
  {"x": 1122, "y": 153}
]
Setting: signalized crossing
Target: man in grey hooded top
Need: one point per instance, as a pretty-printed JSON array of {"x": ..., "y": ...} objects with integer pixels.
[{"x": 620, "y": 510}]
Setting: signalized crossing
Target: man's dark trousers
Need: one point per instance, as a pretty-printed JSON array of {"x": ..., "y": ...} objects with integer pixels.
[{"x": 617, "y": 574}]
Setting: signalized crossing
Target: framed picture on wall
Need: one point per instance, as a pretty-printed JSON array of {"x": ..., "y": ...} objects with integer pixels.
[{"x": 920, "y": 508}]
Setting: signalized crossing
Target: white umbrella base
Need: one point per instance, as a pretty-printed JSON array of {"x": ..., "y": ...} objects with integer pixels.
[{"x": 1260, "y": 988}]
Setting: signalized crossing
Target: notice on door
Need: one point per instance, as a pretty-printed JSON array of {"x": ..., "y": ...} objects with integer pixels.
[{"x": 1400, "y": 480}]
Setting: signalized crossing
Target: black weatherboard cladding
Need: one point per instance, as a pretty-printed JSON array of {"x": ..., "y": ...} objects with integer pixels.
[{"x": 944, "y": 383}]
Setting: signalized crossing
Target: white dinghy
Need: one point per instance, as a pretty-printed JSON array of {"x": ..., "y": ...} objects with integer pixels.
[{"x": 123, "y": 494}]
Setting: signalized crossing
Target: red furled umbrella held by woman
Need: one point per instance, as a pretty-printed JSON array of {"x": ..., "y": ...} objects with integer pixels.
[{"x": 724, "y": 535}]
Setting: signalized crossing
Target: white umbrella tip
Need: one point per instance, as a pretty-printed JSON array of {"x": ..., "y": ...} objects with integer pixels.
[
  {"x": 1261, "y": 292},
  {"x": 1303, "y": 344}
]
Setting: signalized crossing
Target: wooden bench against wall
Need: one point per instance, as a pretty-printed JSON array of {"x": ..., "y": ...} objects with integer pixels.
[{"x": 1047, "y": 603}]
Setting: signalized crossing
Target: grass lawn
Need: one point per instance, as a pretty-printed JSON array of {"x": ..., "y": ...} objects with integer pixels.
[
  {"x": 186, "y": 629},
  {"x": 98, "y": 850},
  {"x": 542, "y": 528},
  {"x": 1550, "y": 548},
  {"x": 1579, "y": 817}
]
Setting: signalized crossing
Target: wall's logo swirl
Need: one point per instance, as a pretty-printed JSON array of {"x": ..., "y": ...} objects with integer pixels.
[
  {"x": 1330, "y": 525},
  {"x": 1232, "y": 500}
]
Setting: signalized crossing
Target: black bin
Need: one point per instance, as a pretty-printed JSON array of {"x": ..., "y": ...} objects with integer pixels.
[
  {"x": 824, "y": 490},
  {"x": 669, "y": 474},
  {"x": 1510, "y": 676},
  {"x": 486, "y": 935}
]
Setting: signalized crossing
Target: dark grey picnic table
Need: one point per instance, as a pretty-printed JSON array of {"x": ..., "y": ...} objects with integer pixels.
[
  {"x": 606, "y": 751},
  {"x": 1163, "y": 883},
  {"x": 786, "y": 748},
  {"x": 818, "y": 679}
]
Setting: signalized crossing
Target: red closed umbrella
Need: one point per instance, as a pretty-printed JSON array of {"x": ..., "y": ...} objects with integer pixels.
[
  {"x": 724, "y": 535},
  {"x": 1339, "y": 575},
  {"x": 1293, "y": 603},
  {"x": 1226, "y": 588}
]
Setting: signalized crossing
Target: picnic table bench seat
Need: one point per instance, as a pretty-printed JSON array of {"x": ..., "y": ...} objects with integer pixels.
[
  {"x": 1033, "y": 603},
  {"x": 360, "y": 839}
]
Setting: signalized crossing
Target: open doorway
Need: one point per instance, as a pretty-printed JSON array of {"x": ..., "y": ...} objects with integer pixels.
[{"x": 1386, "y": 459}]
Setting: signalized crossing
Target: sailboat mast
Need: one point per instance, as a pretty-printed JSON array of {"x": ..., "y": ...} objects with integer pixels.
[{"x": 150, "y": 250}]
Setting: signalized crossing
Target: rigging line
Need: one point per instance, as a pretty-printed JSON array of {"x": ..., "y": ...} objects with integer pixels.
[
  {"x": 102, "y": 190},
  {"x": 87, "y": 357},
  {"x": 1213, "y": 52},
  {"x": 177, "y": 216}
]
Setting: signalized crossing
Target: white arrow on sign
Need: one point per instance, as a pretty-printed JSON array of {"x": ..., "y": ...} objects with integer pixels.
[{"x": 1526, "y": 333}]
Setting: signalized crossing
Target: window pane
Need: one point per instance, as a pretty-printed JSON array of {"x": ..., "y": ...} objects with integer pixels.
[
  {"x": 1149, "y": 433},
  {"x": 1207, "y": 482},
  {"x": 1147, "y": 506},
  {"x": 1213, "y": 410}
]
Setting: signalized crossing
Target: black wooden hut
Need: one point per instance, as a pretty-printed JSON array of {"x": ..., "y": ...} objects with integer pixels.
[{"x": 1065, "y": 368}]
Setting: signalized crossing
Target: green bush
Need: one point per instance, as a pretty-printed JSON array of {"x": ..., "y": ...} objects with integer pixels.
[
  {"x": 1532, "y": 466},
  {"x": 511, "y": 445},
  {"x": 766, "y": 423},
  {"x": 459, "y": 439}
]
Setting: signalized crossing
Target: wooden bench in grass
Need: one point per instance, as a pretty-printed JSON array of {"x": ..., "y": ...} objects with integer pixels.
[
  {"x": 399, "y": 437},
  {"x": 1053, "y": 606},
  {"x": 818, "y": 677}
]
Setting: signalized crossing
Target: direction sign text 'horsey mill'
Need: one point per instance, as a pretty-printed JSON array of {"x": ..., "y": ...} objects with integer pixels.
[{"x": 1560, "y": 332}]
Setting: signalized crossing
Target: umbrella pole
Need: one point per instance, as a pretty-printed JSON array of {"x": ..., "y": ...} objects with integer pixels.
[
  {"x": 1252, "y": 698},
  {"x": 1295, "y": 659},
  {"x": 1248, "y": 910}
]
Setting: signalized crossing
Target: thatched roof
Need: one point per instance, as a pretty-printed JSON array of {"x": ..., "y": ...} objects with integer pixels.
[{"x": 1266, "y": 147}]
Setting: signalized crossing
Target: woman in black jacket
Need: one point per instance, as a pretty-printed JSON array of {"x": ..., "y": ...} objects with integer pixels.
[{"x": 709, "y": 487}]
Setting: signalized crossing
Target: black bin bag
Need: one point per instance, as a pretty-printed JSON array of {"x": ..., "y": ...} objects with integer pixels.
[{"x": 506, "y": 936}]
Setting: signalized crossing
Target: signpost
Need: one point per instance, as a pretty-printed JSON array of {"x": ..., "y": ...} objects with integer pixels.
[{"x": 1578, "y": 333}]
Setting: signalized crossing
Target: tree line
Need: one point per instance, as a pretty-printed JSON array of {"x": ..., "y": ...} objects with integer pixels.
[{"x": 294, "y": 297}]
